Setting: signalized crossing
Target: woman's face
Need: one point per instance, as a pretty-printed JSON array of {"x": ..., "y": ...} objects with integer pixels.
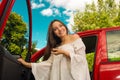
[{"x": 59, "y": 29}]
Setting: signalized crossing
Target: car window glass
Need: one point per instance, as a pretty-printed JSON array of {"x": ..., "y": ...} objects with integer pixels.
[{"x": 113, "y": 45}]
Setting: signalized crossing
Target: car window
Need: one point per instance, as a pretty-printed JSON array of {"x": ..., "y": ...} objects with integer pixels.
[
  {"x": 16, "y": 31},
  {"x": 113, "y": 45},
  {"x": 90, "y": 43}
]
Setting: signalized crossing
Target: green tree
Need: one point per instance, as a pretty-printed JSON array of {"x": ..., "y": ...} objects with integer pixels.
[
  {"x": 14, "y": 36},
  {"x": 90, "y": 60},
  {"x": 105, "y": 14}
]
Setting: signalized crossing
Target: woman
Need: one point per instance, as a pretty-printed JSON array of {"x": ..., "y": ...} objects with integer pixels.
[{"x": 64, "y": 57}]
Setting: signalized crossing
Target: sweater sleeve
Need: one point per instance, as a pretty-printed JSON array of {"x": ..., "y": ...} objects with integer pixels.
[
  {"x": 41, "y": 71},
  {"x": 79, "y": 66}
]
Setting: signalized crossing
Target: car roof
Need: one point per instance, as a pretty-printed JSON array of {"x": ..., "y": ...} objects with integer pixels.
[{"x": 96, "y": 31}]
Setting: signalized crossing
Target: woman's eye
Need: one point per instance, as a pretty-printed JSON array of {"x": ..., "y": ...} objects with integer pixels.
[
  {"x": 54, "y": 29},
  {"x": 61, "y": 25}
]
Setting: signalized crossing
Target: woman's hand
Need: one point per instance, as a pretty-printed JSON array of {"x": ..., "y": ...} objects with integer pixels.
[
  {"x": 22, "y": 61},
  {"x": 57, "y": 51}
]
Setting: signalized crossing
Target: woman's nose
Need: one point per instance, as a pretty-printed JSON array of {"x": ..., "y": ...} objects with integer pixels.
[{"x": 59, "y": 28}]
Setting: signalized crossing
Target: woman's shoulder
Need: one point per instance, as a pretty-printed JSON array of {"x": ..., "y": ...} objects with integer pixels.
[{"x": 75, "y": 36}]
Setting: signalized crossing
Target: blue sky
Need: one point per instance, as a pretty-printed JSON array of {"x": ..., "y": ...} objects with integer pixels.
[{"x": 44, "y": 11}]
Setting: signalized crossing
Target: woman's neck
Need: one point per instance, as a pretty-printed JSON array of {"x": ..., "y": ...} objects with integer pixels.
[{"x": 65, "y": 39}]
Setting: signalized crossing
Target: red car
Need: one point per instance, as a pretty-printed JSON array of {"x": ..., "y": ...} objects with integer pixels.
[
  {"x": 102, "y": 50},
  {"x": 103, "y": 46}
]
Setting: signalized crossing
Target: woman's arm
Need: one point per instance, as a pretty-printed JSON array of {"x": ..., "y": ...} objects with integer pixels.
[
  {"x": 57, "y": 51},
  {"x": 26, "y": 64}
]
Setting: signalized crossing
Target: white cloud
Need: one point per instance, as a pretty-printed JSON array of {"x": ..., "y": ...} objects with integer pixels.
[
  {"x": 68, "y": 12},
  {"x": 36, "y": 5},
  {"x": 70, "y": 23},
  {"x": 70, "y": 20},
  {"x": 47, "y": 12},
  {"x": 70, "y": 6},
  {"x": 117, "y": 1},
  {"x": 50, "y": 12}
]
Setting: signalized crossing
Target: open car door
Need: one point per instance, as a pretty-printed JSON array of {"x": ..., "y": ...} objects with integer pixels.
[{"x": 10, "y": 68}]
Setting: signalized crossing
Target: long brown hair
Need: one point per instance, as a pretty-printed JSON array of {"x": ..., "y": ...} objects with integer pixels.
[{"x": 52, "y": 40}]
